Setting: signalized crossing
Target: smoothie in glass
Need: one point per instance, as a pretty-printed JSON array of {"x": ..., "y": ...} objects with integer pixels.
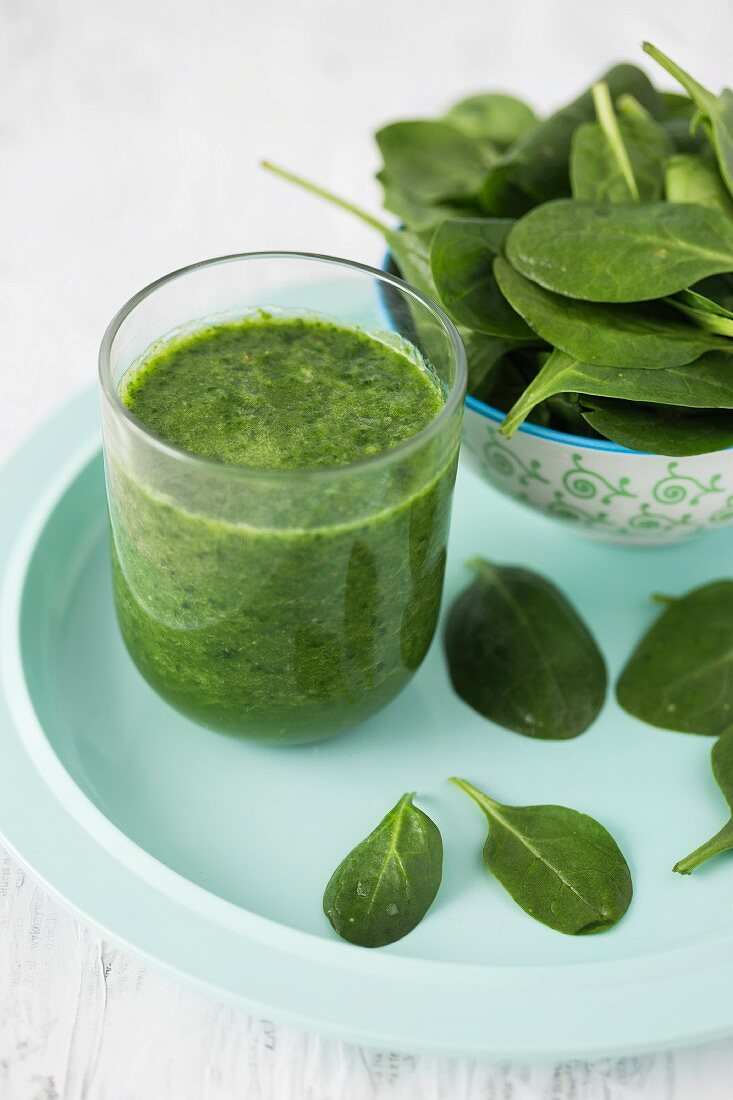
[{"x": 278, "y": 553}]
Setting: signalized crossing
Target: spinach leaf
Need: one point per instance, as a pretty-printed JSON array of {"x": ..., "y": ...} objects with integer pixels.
[
  {"x": 432, "y": 161},
  {"x": 499, "y": 196},
  {"x": 416, "y": 214},
  {"x": 694, "y": 300},
  {"x": 565, "y": 414},
  {"x": 710, "y": 320},
  {"x": 499, "y": 119},
  {"x": 509, "y": 376},
  {"x": 561, "y": 866},
  {"x": 685, "y": 140},
  {"x": 722, "y": 762},
  {"x": 483, "y": 354},
  {"x": 628, "y": 106},
  {"x": 504, "y": 384},
  {"x": 385, "y": 885},
  {"x": 718, "y": 288},
  {"x": 631, "y": 253},
  {"x": 690, "y": 178},
  {"x": 646, "y": 336},
  {"x": 703, "y": 311},
  {"x": 520, "y": 655},
  {"x": 618, "y": 160},
  {"x": 680, "y": 676},
  {"x": 705, "y": 384},
  {"x": 677, "y": 121},
  {"x": 660, "y": 429},
  {"x": 675, "y": 105},
  {"x": 716, "y": 112},
  {"x": 411, "y": 252},
  {"x": 461, "y": 257},
  {"x": 541, "y": 159}
]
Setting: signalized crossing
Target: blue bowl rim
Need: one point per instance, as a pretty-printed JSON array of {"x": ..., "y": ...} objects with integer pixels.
[{"x": 550, "y": 434}]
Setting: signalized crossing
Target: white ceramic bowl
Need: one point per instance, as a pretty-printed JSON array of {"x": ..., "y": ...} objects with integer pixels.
[{"x": 599, "y": 488}]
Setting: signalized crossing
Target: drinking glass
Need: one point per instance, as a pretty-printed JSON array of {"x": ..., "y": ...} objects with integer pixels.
[{"x": 282, "y": 605}]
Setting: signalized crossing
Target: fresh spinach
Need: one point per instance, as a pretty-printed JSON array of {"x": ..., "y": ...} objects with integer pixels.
[
  {"x": 705, "y": 384},
  {"x": 683, "y": 138},
  {"x": 630, "y": 253},
  {"x": 642, "y": 335},
  {"x": 561, "y": 866},
  {"x": 692, "y": 178},
  {"x": 500, "y": 120},
  {"x": 411, "y": 252},
  {"x": 626, "y": 105},
  {"x": 386, "y": 884},
  {"x": 618, "y": 160},
  {"x": 432, "y": 161},
  {"x": 715, "y": 112},
  {"x": 483, "y": 356},
  {"x": 577, "y": 253},
  {"x": 461, "y": 256},
  {"x": 677, "y": 106},
  {"x": 564, "y": 413},
  {"x": 503, "y": 385},
  {"x": 499, "y": 196},
  {"x": 520, "y": 655},
  {"x": 700, "y": 303},
  {"x": 434, "y": 169},
  {"x": 721, "y": 759},
  {"x": 677, "y": 121},
  {"x": 659, "y": 429},
  {"x": 704, "y": 312},
  {"x": 680, "y": 675},
  {"x": 420, "y": 216},
  {"x": 540, "y": 160},
  {"x": 718, "y": 288}
]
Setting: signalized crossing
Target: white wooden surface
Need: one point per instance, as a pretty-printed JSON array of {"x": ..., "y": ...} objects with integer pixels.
[{"x": 129, "y": 139}]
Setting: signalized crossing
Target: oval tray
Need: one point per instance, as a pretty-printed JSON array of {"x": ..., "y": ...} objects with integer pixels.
[{"x": 207, "y": 856}]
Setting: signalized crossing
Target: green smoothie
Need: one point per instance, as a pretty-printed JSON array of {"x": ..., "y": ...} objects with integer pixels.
[{"x": 291, "y": 629}]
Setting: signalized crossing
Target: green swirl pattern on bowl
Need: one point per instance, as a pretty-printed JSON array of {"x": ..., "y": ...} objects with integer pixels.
[{"x": 616, "y": 495}]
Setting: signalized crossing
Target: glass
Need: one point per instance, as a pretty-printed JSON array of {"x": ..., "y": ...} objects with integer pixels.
[{"x": 283, "y": 605}]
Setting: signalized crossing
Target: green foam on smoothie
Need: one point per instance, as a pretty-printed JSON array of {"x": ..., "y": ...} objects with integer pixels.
[{"x": 282, "y": 394}]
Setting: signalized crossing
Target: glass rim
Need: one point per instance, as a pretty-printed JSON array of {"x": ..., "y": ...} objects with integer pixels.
[{"x": 370, "y": 462}]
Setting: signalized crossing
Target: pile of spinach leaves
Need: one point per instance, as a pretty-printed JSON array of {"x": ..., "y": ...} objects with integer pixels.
[{"x": 586, "y": 257}]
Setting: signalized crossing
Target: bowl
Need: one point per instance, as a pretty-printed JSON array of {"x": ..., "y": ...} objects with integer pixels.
[{"x": 598, "y": 488}]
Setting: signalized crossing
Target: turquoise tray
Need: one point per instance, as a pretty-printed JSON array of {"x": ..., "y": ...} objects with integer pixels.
[{"x": 207, "y": 856}]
